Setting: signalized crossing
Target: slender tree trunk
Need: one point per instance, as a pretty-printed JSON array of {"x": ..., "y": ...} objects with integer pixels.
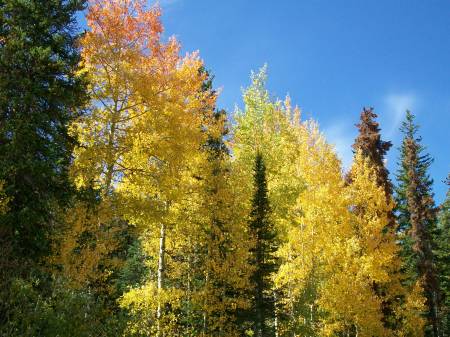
[
  {"x": 189, "y": 291},
  {"x": 434, "y": 313},
  {"x": 161, "y": 270},
  {"x": 205, "y": 325},
  {"x": 275, "y": 301},
  {"x": 205, "y": 318},
  {"x": 110, "y": 155},
  {"x": 259, "y": 294},
  {"x": 289, "y": 294}
]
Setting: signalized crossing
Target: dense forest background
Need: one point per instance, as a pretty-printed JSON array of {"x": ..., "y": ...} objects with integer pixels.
[{"x": 131, "y": 206}]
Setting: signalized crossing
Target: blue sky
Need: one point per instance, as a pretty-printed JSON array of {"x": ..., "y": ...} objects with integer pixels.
[{"x": 333, "y": 58}]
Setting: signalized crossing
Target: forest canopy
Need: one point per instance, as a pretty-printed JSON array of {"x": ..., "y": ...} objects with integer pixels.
[{"x": 131, "y": 204}]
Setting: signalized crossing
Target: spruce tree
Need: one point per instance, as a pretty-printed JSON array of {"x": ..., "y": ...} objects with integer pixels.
[
  {"x": 262, "y": 254},
  {"x": 371, "y": 145},
  {"x": 217, "y": 284},
  {"x": 442, "y": 255},
  {"x": 41, "y": 91},
  {"x": 417, "y": 216}
]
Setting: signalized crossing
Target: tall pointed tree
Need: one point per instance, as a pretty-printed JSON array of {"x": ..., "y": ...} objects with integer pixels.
[
  {"x": 41, "y": 91},
  {"x": 218, "y": 252},
  {"x": 221, "y": 251},
  {"x": 371, "y": 145},
  {"x": 365, "y": 291},
  {"x": 442, "y": 254},
  {"x": 417, "y": 216},
  {"x": 262, "y": 254},
  {"x": 269, "y": 127}
]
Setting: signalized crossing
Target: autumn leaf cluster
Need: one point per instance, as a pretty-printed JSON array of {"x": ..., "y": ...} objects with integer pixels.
[{"x": 166, "y": 219}]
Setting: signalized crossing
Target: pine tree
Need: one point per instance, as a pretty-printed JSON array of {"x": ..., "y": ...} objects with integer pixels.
[
  {"x": 223, "y": 244},
  {"x": 262, "y": 254},
  {"x": 41, "y": 92},
  {"x": 269, "y": 127},
  {"x": 442, "y": 255},
  {"x": 366, "y": 290},
  {"x": 215, "y": 248},
  {"x": 370, "y": 144},
  {"x": 417, "y": 216},
  {"x": 222, "y": 297}
]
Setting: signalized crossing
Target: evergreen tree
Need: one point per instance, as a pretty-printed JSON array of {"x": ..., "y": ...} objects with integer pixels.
[
  {"x": 223, "y": 245},
  {"x": 218, "y": 272},
  {"x": 370, "y": 144},
  {"x": 364, "y": 296},
  {"x": 442, "y": 254},
  {"x": 417, "y": 216},
  {"x": 262, "y": 254},
  {"x": 40, "y": 94}
]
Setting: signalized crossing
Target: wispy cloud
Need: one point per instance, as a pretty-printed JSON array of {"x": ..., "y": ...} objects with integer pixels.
[
  {"x": 396, "y": 105},
  {"x": 338, "y": 134},
  {"x": 341, "y": 133}
]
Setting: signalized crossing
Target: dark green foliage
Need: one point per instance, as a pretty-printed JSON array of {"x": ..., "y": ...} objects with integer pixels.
[
  {"x": 417, "y": 217},
  {"x": 409, "y": 130},
  {"x": 442, "y": 256},
  {"x": 40, "y": 94},
  {"x": 59, "y": 312},
  {"x": 214, "y": 145},
  {"x": 263, "y": 254},
  {"x": 134, "y": 270},
  {"x": 409, "y": 258},
  {"x": 215, "y": 250}
]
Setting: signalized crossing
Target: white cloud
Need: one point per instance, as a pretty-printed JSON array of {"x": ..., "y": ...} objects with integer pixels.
[
  {"x": 395, "y": 108},
  {"x": 342, "y": 132},
  {"x": 341, "y": 137}
]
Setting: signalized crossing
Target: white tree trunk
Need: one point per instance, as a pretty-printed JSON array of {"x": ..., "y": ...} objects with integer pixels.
[
  {"x": 161, "y": 270},
  {"x": 275, "y": 313}
]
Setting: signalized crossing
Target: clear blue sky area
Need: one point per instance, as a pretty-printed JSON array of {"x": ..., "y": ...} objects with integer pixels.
[{"x": 333, "y": 58}]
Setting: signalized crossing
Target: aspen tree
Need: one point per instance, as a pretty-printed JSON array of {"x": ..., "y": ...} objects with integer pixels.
[{"x": 122, "y": 39}]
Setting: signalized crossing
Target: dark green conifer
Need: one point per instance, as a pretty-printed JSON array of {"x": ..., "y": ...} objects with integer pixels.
[
  {"x": 371, "y": 145},
  {"x": 41, "y": 92},
  {"x": 442, "y": 255},
  {"x": 417, "y": 217},
  {"x": 263, "y": 254}
]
